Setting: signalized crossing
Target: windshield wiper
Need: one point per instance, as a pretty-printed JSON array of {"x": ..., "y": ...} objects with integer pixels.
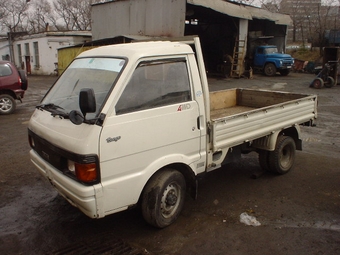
[
  {"x": 48, "y": 106},
  {"x": 54, "y": 109}
]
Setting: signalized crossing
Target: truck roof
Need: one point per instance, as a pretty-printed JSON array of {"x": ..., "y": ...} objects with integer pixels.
[{"x": 139, "y": 49}]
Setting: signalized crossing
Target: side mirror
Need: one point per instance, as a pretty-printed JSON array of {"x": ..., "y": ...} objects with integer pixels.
[
  {"x": 87, "y": 104},
  {"x": 87, "y": 101}
]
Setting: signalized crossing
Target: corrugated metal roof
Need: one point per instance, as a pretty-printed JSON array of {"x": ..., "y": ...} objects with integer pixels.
[
  {"x": 243, "y": 11},
  {"x": 278, "y": 18},
  {"x": 224, "y": 7}
]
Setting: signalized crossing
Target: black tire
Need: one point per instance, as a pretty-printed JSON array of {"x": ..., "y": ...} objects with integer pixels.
[
  {"x": 163, "y": 198},
  {"x": 284, "y": 72},
  {"x": 264, "y": 160},
  {"x": 7, "y": 104},
  {"x": 282, "y": 159},
  {"x": 318, "y": 83},
  {"x": 270, "y": 69},
  {"x": 330, "y": 82},
  {"x": 24, "y": 81}
]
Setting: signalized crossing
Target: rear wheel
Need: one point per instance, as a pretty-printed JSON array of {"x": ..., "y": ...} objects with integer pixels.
[
  {"x": 163, "y": 198},
  {"x": 7, "y": 104},
  {"x": 330, "y": 82},
  {"x": 270, "y": 69},
  {"x": 282, "y": 159}
]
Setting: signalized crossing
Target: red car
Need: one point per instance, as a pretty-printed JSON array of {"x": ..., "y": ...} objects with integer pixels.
[{"x": 13, "y": 83}]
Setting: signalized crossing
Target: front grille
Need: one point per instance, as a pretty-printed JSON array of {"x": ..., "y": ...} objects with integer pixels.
[
  {"x": 58, "y": 157},
  {"x": 287, "y": 62},
  {"x": 49, "y": 152}
]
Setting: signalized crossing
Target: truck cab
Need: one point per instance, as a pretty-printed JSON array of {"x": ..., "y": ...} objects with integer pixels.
[
  {"x": 268, "y": 60},
  {"x": 118, "y": 116}
]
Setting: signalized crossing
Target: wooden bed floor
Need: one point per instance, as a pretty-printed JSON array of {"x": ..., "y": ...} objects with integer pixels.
[{"x": 220, "y": 113}]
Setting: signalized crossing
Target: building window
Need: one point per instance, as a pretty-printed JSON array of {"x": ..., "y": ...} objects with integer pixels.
[
  {"x": 19, "y": 54},
  {"x": 36, "y": 54},
  {"x": 27, "y": 49}
]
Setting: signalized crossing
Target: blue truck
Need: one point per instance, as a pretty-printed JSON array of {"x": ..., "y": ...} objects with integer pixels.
[{"x": 268, "y": 60}]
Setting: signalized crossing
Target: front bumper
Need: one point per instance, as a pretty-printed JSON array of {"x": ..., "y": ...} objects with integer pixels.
[{"x": 79, "y": 195}]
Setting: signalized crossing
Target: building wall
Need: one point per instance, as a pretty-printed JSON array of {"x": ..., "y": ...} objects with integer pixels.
[
  {"x": 134, "y": 17},
  {"x": 4, "y": 49},
  {"x": 38, "y": 54}
]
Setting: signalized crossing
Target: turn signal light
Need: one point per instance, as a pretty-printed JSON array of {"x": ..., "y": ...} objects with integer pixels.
[{"x": 86, "y": 172}]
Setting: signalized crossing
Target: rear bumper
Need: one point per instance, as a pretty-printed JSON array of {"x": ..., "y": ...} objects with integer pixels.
[
  {"x": 19, "y": 93},
  {"x": 80, "y": 196}
]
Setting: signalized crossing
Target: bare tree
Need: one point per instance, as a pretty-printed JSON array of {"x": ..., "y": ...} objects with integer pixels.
[
  {"x": 326, "y": 17},
  {"x": 39, "y": 16},
  {"x": 13, "y": 14},
  {"x": 36, "y": 16},
  {"x": 76, "y": 14},
  {"x": 298, "y": 13},
  {"x": 272, "y": 6}
]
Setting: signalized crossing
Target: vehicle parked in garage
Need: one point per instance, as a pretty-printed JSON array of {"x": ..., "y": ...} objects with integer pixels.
[
  {"x": 13, "y": 83},
  {"x": 268, "y": 60}
]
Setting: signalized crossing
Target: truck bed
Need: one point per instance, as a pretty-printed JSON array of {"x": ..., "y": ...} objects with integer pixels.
[{"x": 239, "y": 115}]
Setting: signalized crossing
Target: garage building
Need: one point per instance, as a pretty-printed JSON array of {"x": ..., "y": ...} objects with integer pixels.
[{"x": 228, "y": 31}]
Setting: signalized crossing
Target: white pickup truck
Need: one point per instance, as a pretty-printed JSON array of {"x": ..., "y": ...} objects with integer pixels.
[{"x": 135, "y": 124}]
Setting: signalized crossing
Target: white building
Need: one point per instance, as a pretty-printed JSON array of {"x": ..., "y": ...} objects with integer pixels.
[
  {"x": 38, "y": 53},
  {"x": 4, "y": 48}
]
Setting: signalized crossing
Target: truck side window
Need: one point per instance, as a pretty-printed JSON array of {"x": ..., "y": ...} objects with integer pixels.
[{"x": 154, "y": 84}]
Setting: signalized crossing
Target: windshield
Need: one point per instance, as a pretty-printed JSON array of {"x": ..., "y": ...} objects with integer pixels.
[
  {"x": 96, "y": 73},
  {"x": 271, "y": 50}
]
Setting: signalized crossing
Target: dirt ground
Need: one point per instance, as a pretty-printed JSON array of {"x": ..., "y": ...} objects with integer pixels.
[{"x": 299, "y": 212}]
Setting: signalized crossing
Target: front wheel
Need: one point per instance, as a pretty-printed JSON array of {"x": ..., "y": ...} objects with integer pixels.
[
  {"x": 282, "y": 159},
  {"x": 7, "y": 104},
  {"x": 163, "y": 198},
  {"x": 270, "y": 69}
]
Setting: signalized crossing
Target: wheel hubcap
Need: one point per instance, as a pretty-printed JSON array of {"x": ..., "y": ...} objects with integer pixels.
[
  {"x": 170, "y": 200},
  {"x": 5, "y": 104}
]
